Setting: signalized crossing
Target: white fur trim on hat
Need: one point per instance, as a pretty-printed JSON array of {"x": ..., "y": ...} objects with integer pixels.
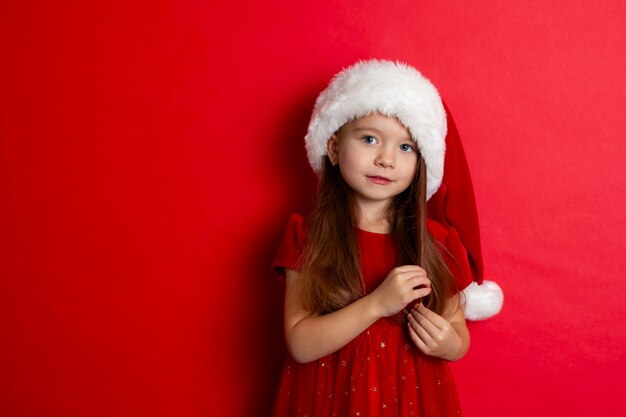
[
  {"x": 482, "y": 301},
  {"x": 391, "y": 89}
]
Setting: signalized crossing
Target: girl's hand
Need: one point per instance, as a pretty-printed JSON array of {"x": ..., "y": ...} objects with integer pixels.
[
  {"x": 434, "y": 335},
  {"x": 402, "y": 286}
]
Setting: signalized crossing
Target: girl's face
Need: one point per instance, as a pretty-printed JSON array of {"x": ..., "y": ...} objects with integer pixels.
[{"x": 376, "y": 157}]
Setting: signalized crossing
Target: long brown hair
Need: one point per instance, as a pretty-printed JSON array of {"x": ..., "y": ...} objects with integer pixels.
[{"x": 330, "y": 276}]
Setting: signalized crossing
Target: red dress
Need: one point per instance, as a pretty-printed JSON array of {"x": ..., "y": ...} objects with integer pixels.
[{"x": 379, "y": 373}]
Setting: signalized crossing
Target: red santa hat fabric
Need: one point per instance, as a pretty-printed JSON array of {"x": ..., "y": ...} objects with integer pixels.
[{"x": 453, "y": 206}]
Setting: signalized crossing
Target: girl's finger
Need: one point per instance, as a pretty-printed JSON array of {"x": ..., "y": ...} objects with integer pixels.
[
  {"x": 408, "y": 275},
  {"x": 418, "y": 342},
  {"x": 433, "y": 317},
  {"x": 419, "y": 293},
  {"x": 425, "y": 323},
  {"x": 418, "y": 281},
  {"x": 420, "y": 331},
  {"x": 409, "y": 268}
]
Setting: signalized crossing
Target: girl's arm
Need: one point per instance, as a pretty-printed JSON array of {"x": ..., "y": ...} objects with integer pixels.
[
  {"x": 444, "y": 337},
  {"x": 310, "y": 337}
]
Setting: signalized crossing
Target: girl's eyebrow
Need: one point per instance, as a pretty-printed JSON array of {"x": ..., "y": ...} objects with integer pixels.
[
  {"x": 364, "y": 128},
  {"x": 378, "y": 131}
]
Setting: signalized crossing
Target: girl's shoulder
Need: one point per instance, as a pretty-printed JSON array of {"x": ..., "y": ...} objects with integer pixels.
[
  {"x": 449, "y": 244},
  {"x": 296, "y": 219},
  {"x": 436, "y": 230},
  {"x": 292, "y": 244},
  {"x": 296, "y": 227}
]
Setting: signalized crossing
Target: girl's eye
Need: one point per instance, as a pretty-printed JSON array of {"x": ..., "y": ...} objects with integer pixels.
[
  {"x": 406, "y": 148},
  {"x": 370, "y": 140}
]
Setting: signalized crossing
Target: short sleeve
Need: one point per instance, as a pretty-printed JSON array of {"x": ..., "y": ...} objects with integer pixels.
[
  {"x": 453, "y": 252},
  {"x": 292, "y": 245}
]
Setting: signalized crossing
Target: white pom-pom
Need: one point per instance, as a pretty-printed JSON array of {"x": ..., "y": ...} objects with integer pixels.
[{"x": 482, "y": 301}]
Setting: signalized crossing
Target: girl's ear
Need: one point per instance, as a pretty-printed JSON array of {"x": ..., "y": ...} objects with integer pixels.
[{"x": 331, "y": 149}]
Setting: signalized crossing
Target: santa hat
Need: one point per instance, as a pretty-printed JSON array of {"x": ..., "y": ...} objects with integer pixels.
[{"x": 398, "y": 90}]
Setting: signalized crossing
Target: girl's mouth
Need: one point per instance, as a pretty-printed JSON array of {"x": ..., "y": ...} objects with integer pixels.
[{"x": 379, "y": 180}]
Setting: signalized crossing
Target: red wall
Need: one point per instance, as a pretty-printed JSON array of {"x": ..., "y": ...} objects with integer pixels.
[{"x": 151, "y": 152}]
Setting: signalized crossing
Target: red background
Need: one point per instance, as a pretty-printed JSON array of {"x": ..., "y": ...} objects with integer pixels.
[{"x": 152, "y": 151}]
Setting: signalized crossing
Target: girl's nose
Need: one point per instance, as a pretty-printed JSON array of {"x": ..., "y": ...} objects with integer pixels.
[{"x": 385, "y": 158}]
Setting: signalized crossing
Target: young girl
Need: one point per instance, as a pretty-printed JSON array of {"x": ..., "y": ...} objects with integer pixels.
[{"x": 372, "y": 311}]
